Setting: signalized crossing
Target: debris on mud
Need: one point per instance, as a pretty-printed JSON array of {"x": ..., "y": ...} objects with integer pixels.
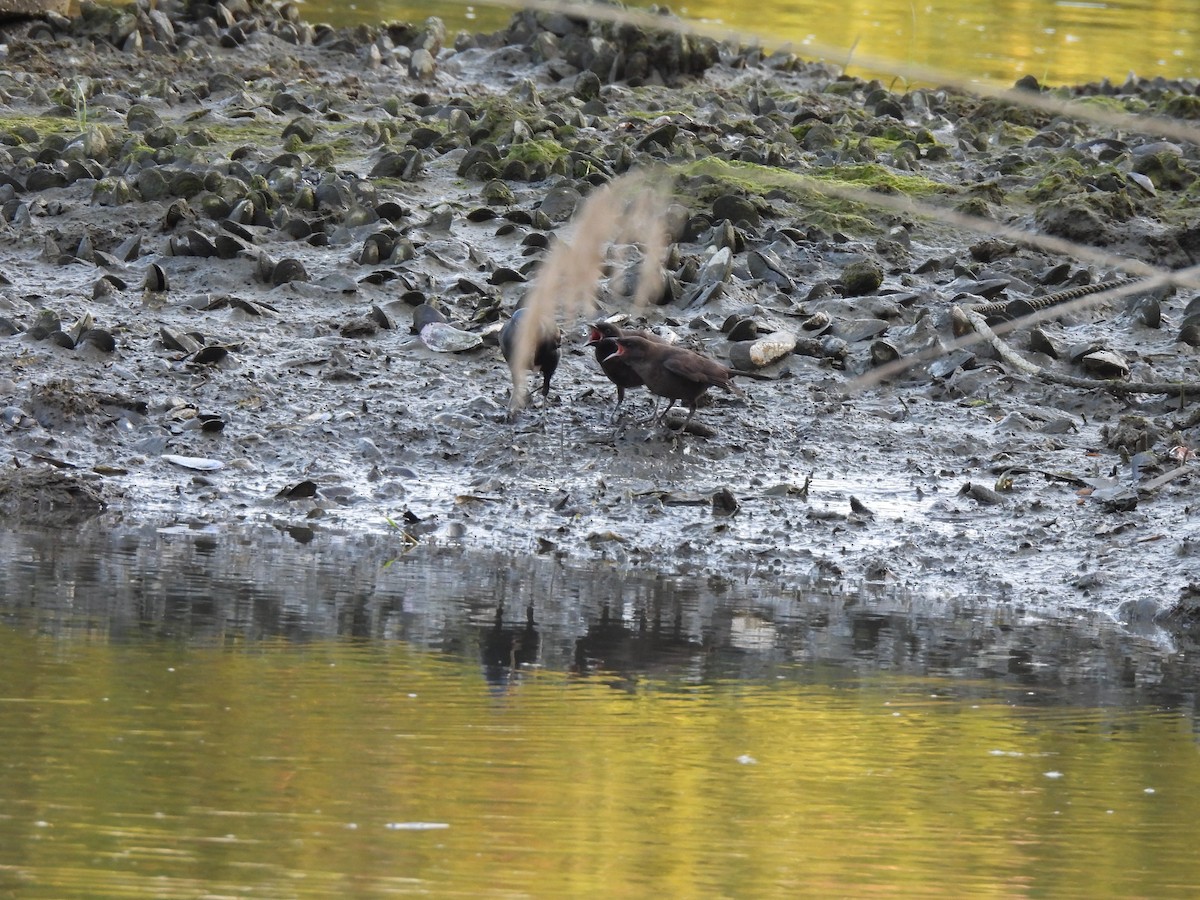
[{"x": 221, "y": 222}]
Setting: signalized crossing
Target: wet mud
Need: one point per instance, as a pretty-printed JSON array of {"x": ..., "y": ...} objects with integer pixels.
[{"x": 219, "y": 223}]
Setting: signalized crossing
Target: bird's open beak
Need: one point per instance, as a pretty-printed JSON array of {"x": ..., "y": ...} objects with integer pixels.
[
  {"x": 594, "y": 337},
  {"x": 615, "y": 353}
]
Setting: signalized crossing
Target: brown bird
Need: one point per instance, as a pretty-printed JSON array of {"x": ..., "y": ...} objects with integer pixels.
[
  {"x": 676, "y": 372},
  {"x": 543, "y": 357},
  {"x": 619, "y": 372}
]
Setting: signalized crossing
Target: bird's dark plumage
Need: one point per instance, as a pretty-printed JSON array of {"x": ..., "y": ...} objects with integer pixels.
[
  {"x": 673, "y": 372},
  {"x": 619, "y": 372},
  {"x": 542, "y": 358}
]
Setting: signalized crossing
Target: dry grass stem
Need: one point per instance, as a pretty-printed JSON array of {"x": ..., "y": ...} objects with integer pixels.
[{"x": 631, "y": 208}]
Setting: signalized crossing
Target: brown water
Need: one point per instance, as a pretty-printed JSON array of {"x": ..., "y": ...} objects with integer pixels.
[
  {"x": 1057, "y": 41},
  {"x": 189, "y": 714}
]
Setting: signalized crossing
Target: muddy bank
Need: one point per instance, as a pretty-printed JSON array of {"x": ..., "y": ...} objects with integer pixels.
[{"x": 218, "y": 222}]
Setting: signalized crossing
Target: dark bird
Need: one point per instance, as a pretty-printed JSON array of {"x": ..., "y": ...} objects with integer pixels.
[
  {"x": 540, "y": 353},
  {"x": 619, "y": 372},
  {"x": 676, "y": 373}
]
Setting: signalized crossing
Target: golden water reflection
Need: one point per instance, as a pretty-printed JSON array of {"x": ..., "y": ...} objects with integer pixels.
[
  {"x": 152, "y": 767},
  {"x": 1057, "y": 41}
]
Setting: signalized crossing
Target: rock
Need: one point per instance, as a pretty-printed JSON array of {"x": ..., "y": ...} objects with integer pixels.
[
  {"x": 860, "y": 329},
  {"x": 445, "y": 338},
  {"x": 1105, "y": 364},
  {"x": 862, "y": 277},
  {"x": 755, "y": 354},
  {"x": 421, "y": 66},
  {"x": 1133, "y": 434}
]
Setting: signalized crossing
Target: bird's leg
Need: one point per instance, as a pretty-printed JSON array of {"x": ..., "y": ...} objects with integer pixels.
[
  {"x": 618, "y": 427},
  {"x": 545, "y": 407},
  {"x": 545, "y": 392},
  {"x": 663, "y": 418},
  {"x": 520, "y": 392},
  {"x": 617, "y": 409},
  {"x": 653, "y": 413}
]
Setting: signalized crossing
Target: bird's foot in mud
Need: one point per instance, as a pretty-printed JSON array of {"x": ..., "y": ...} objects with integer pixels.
[
  {"x": 648, "y": 418},
  {"x": 537, "y": 409}
]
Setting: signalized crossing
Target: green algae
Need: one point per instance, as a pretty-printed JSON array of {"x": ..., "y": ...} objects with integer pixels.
[
  {"x": 1120, "y": 105},
  {"x": 536, "y": 152},
  {"x": 974, "y": 206},
  {"x": 33, "y": 129},
  {"x": 879, "y": 178},
  {"x": 1064, "y": 178},
  {"x": 1182, "y": 106},
  {"x": 1166, "y": 170},
  {"x": 820, "y": 207}
]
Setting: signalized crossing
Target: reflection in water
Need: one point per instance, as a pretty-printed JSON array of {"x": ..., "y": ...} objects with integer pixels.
[
  {"x": 609, "y": 644},
  {"x": 229, "y": 588},
  {"x": 505, "y": 649},
  {"x": 187, "y": 714}
]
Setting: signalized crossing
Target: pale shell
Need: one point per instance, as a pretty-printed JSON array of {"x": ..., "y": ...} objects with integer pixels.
[{"x": 445, "y": 338}]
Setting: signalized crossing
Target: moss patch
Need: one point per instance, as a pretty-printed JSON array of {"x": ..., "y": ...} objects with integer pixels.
[
  {"x": 879, "y": 178},
  {"x": 1183, "y": 106},
  {"x": 819, "y": 207},
  {"x": 246, "y": 131},
  {"x": 1064, "y": 179},
  {"x": 752, "y": 180},
  {"x": 1113, "y": 104},
  {"x": 33, "y": 129},
  {"x": 539, "y": 152}
]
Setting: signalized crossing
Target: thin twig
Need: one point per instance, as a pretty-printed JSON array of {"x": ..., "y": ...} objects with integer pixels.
[
  {"x": 1021, "y": 364},
  {"x": 1155, "y": 483}
]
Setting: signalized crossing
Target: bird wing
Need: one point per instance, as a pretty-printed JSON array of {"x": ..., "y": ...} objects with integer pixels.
[{"x": 694, "y": 367}]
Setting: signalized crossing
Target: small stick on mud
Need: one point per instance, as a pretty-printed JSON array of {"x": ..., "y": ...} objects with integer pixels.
[{"x": 980, "y": 326}]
